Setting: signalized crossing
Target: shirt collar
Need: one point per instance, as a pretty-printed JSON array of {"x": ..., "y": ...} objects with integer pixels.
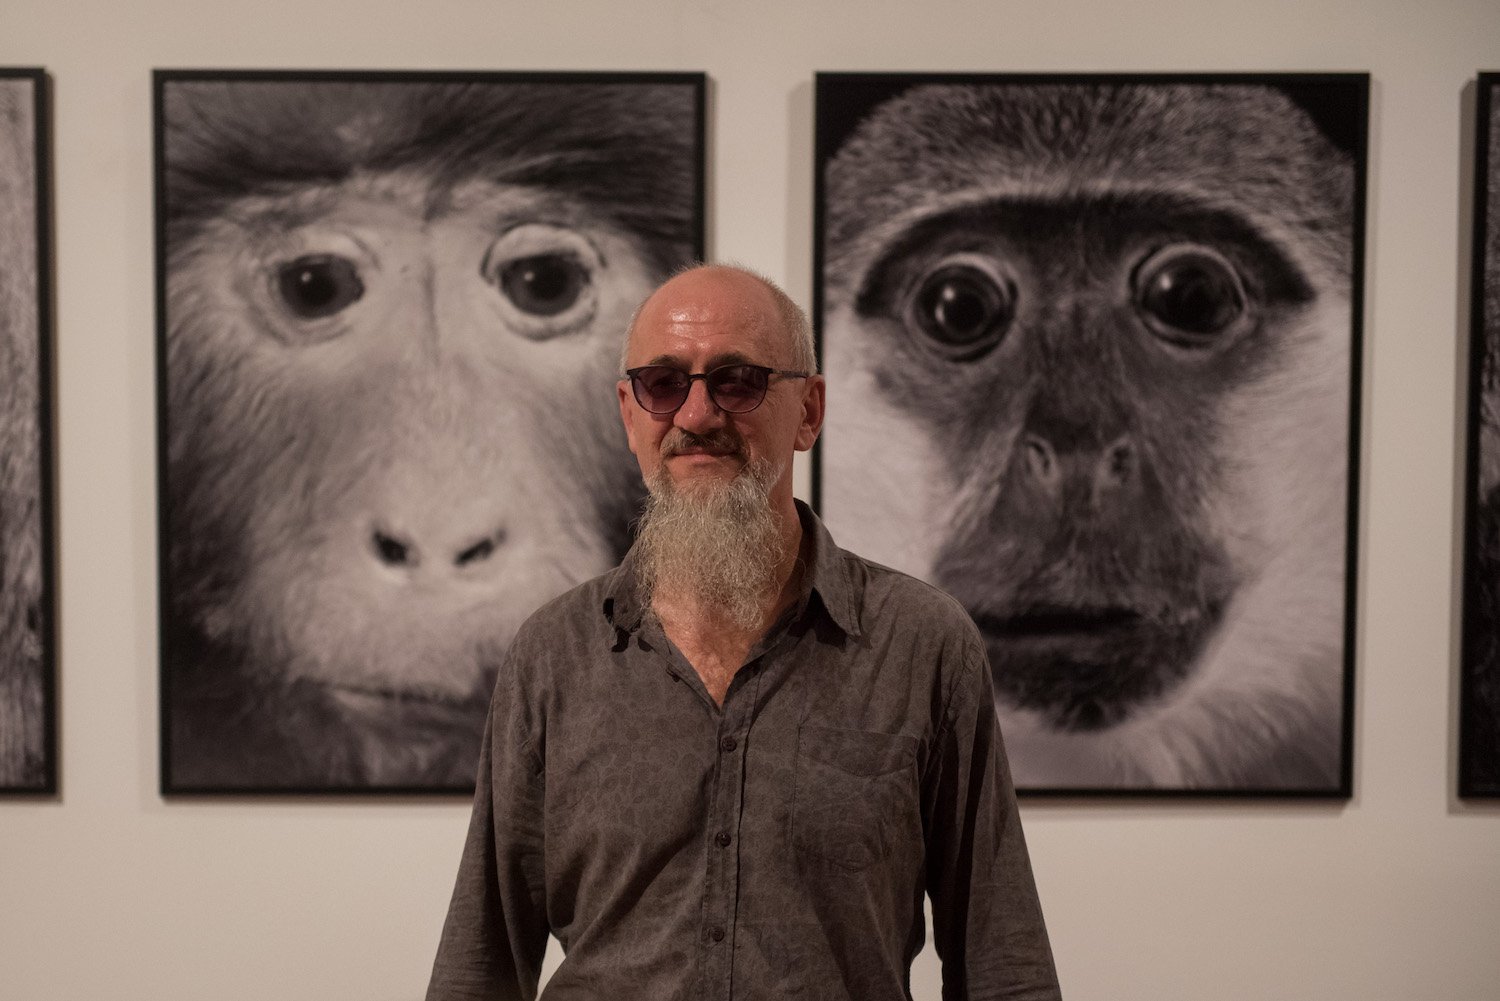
[{"x": 830, "y": 577}]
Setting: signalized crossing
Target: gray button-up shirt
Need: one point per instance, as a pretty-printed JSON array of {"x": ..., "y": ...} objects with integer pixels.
[{"x": 775, "y": 848}]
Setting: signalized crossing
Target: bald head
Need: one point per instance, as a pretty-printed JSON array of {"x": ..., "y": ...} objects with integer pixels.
[
  {"x": 709, "y": 318},
  {"x": 759, "y": 300}
]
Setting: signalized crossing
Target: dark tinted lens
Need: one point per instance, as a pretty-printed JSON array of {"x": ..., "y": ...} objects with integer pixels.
[
  {"x": 737, "y": 388},
  {"x": 660, "y": 388}
]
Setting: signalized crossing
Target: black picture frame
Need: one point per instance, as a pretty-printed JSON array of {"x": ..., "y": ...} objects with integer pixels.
[
  {"x": 383, "y": 299},
  {"x": 1479, "y": 687},
  {"x": 28, "y": 647},
  {"x": 1023, "y": 286}
]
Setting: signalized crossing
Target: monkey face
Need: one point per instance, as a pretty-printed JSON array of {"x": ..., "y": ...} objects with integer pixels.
[
  {"x": 1083, "y": 546},
  {"x": 387, "y": 356},
  {"x": 1084, "y": 383}
]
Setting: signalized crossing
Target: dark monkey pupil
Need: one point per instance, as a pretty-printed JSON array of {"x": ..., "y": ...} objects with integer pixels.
[
  {"x": 315, "y": 287},
  {"x": 1194, "y": 298},
  {"x": 319, "y": 285},
  {"x": 959, "y": 309},
  {"x": 543, "y": 285},
  {"x": 962, "y": 306}
]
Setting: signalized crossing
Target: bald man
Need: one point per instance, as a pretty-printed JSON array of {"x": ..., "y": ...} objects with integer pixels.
[{"x": 731, "y": 767}]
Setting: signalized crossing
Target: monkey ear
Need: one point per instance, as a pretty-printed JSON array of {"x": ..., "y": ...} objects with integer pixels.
[{"x": 813, "y": 401}]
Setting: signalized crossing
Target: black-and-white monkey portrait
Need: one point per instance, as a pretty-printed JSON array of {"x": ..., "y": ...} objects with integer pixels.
[
  {"x": 1479, "y": 730},
  {"x": 26, "y": 713},
  {"x": 1089, "y": 346},
  {"x": 393, "y": 310}
]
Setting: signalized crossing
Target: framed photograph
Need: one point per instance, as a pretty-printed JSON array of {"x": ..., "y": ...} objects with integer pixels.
[
  {"x": 28, "y": 658},
  {"x": 391, "y": 312},
  {"x": 1479, "y": 692},
  {"x": 1093, "y": 347}
]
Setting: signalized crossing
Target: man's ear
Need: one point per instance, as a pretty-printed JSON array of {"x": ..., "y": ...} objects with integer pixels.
[
  {"x": 627, "y": 411},
  {"x": 813, "y": 401}
]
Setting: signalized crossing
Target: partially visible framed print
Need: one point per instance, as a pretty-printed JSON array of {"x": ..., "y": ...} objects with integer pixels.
[
  {"x": 28, "y": 711},
  {"x": 1093, "y": 348},
  {"x": 391, "y": 311},
  {"x": 1479, "y": 690}
]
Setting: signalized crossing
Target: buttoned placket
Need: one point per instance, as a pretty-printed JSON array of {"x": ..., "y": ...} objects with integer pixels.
[
  {"x": 734, "y": 721},
  {"x": 722, "y": 879}
]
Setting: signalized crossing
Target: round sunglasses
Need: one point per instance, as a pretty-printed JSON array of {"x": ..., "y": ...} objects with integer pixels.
[{"x": 735, "y": 389}]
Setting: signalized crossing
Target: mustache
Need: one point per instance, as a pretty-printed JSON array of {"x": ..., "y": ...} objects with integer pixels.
[{"x": 679, "y": 440}]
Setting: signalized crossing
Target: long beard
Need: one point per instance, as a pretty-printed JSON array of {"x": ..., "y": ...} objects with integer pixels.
[{"x": 716, "y": 547}]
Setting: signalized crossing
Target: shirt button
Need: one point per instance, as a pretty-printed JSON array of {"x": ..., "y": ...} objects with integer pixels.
[
  {"x": 728, "y": 744},
  {"x": 717, "y": 934},
  {"x": 722, "y": 839}
]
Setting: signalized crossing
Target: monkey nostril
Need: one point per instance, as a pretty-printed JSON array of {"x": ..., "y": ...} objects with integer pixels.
[
  {"x": 479, "y": 551},
  {"x": 1041, "y": 460},
  {"x": 392, "y": 551},
  {"x": 475, "y": 553},
  {"x": 1117, "y": 465}
]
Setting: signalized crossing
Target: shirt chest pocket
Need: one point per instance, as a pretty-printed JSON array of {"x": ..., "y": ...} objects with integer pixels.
[{"x": 856, "y": 795}]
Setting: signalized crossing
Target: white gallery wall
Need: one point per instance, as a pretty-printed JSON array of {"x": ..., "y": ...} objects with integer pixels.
[{"x": 108, "y": 891}]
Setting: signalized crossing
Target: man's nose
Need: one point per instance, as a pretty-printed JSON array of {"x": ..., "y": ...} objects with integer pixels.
[{"x": 698, "y": 411}]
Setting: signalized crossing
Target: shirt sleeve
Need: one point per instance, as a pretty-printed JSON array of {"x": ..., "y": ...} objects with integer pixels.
[
  {"x": 987, "y": 920},
  {"x": 495, "y": 935}
]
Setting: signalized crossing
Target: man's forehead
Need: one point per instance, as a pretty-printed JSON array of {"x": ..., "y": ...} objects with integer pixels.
[
  {"x": 713, "y": 361},
  {"x": 701, "y": 313},
  {"x": 722, "y": 327},
  {"x": 709, "y": 305}
]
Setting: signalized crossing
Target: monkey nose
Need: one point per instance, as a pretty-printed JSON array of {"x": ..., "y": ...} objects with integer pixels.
[
  {"x": 1100, "y": 471},
  {"x": 405, "y": 552}
]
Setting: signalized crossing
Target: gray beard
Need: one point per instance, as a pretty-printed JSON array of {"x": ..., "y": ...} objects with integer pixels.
[{"x": 715, "y": 548}]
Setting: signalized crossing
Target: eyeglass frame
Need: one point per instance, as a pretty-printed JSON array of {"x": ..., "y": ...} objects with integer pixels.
[{"x": 635, "y": 390}]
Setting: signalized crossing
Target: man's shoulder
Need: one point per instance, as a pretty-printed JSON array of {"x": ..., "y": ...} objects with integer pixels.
[
  {"x": 920, "y": 627},
  {"x": 573, "y": 613},
  {"x": 901, "y": 600}
]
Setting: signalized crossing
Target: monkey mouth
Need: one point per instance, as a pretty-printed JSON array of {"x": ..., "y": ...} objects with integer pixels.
[
  {"x": 1059, "y": 622},
  {"x": 1088, "y": 667},
  {"x": 359, "y": 697}
]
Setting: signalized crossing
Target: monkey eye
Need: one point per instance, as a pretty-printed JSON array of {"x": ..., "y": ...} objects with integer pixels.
[
  {"x": 1190, "y": 296},
  {"x": 963, "y": 307},
  {"x": 317, "y": 285},
  {"x": 548, "y": 277},
  {"x": 543, "y": 285}
]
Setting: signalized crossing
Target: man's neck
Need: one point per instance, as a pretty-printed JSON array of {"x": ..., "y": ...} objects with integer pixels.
[{"x": 713, "y": 643}]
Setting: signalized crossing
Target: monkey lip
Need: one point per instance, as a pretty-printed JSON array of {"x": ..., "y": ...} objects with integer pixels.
[
  {"x": 1061, "y": 622},
  {"x": 1087, "y": 667},
  {"x": 367, "y": 696}
]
